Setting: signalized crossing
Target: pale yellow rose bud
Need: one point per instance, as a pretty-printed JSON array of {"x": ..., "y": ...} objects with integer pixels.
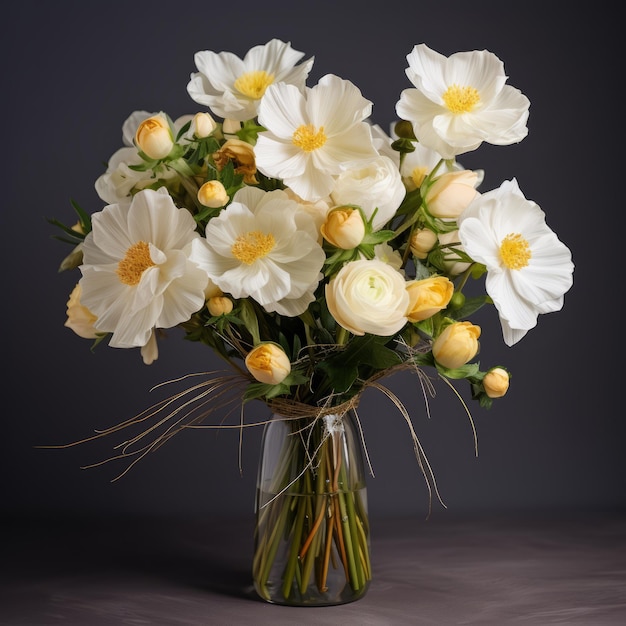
[
  {"x": 344, "y": 228},
  {"x": 456, "y": 345},
  {"x": 451, "y": 193},
  {"x": 154, "y": 137},
  {"x": 203, "y": 125},
  {"x": 219, "y": 305},
  {"x": 268, "y": 363},
  {"x": 230, "y": 127},
  {"x": 242, "y": 155},
  {"x": 213, "y": 194},
  {"x": 73, "y": 259},
  {"x": 496, "y": 382},
  {"x": 79, "y": 318},
  {"x": 428, "y": 296},
  {"x": 422, "y": 242}
]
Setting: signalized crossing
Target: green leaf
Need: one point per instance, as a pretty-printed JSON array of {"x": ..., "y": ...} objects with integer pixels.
[
  {"x": 249, "y": 318},
  {"x": 470, "y": 306},
  {"x": 343, "y": 368}
]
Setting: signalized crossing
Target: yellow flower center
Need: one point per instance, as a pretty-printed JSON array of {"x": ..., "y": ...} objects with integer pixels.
[
  {"x": 461, "y": 99},
  {"x": 133, "y": 265},
  {"x": 252, "y": 246},
  {"x": 515, "y": 251},
  {"x": 254, "y": 84},
  {"x": 418, "y": 175},
  {"x": 308, "y": 138}
]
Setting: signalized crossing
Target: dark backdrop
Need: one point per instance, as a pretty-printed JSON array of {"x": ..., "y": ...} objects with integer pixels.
[{"x": 72, "y": 73}]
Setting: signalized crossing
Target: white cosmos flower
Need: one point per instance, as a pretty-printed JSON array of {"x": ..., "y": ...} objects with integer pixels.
[
  {"x": 460, "y": 101},
  {"x": 528, "y": 268},
  {"x": 311, "y": 135},
  {"x": 263, "y": 246},
  {"x": 136, "y": 272},
  {"x": 232, "y": 87}
]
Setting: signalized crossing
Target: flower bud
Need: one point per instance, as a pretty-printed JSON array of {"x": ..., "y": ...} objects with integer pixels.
[
  {"x": 268, "y": 363},
  {"x": 450, "y": 247},
  {"x": 451, "y": 193},
  {"x": 422, "y": 242},
  {"x": 428, "y": 296},
  {"x": 154, "y": 137},
  {"x": 73, "y": 259},
  {"x": 213, "y": 194},
  {"x": 230, "y": 127},
  {"x": 79, "y": 318},
  {"x": 404, "y": 128},
  {"x": 496, "y": 382},
  {"x": 456, "y": 345},
  {"x": 219, "y": 305},
  {"x": 203, "y": 125},
  {"x": 344, "y": 228},
  {"x": 242, "y": 154}
]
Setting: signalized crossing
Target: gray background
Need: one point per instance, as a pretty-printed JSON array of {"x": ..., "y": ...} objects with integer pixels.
[{"x": 72, "y": 73}]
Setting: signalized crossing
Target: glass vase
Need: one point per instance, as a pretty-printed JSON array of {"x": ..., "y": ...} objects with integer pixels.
[{"x": 312, "y": 540}]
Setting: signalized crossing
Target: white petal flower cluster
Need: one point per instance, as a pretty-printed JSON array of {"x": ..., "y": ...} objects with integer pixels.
[{"x": 289, "y": 232}]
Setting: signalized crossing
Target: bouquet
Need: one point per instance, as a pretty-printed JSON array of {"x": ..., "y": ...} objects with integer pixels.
[{"x": 315, "y": 253}]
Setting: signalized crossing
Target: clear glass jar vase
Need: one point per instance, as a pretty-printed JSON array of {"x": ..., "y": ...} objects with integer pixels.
[{"x": 312, "y": 540}]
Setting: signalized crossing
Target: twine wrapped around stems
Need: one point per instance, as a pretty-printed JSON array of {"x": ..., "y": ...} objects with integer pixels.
[{"x": 223, "y": 390}]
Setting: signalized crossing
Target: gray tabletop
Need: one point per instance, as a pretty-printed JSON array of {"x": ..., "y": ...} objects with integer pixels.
[{"x": 569, "y": 569}]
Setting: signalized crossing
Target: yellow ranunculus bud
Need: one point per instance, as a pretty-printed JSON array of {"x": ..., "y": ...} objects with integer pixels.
[
  {"x": 451, "y": 193},
  {"x": 154, "y": 137},
  {"x": 268, "y": 363},
  {"x": 213, "y": 194},
  {"x": 496, "y": 382},
  {"x": 422, "y": 242},
  {"x": 219, "y": 305},
  {"x": 428, "y": 296},
  {"x": 203, "y": 125},
  {"x": 79, "y": 318},
  {"x": 344, "y": 228},
  {"x": 456, "y": 345},
  {"x": 242, "y": 154}
]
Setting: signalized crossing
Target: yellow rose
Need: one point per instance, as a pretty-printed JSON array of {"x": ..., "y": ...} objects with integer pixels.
[
  {"x": 496, "y": 382},
  {"x": 79, "y": 318},
  {"x": 456, "y": 345},
  {"x": 428, "y": 296},
  {"x": 422, "y": 242},
  {"x": 451, "y": 193},
  {"x": 242, "y": 155},
  {"x": 203, "y": 125},
  {"x": 344, "y": 228},
  {"x": 268, "y": 363},
  {"x": 219, "y": 305},
  {"x": 213, "y": 194},
  {"x": 368, "y": 296},
  {"x": 154, "y": 137}
]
